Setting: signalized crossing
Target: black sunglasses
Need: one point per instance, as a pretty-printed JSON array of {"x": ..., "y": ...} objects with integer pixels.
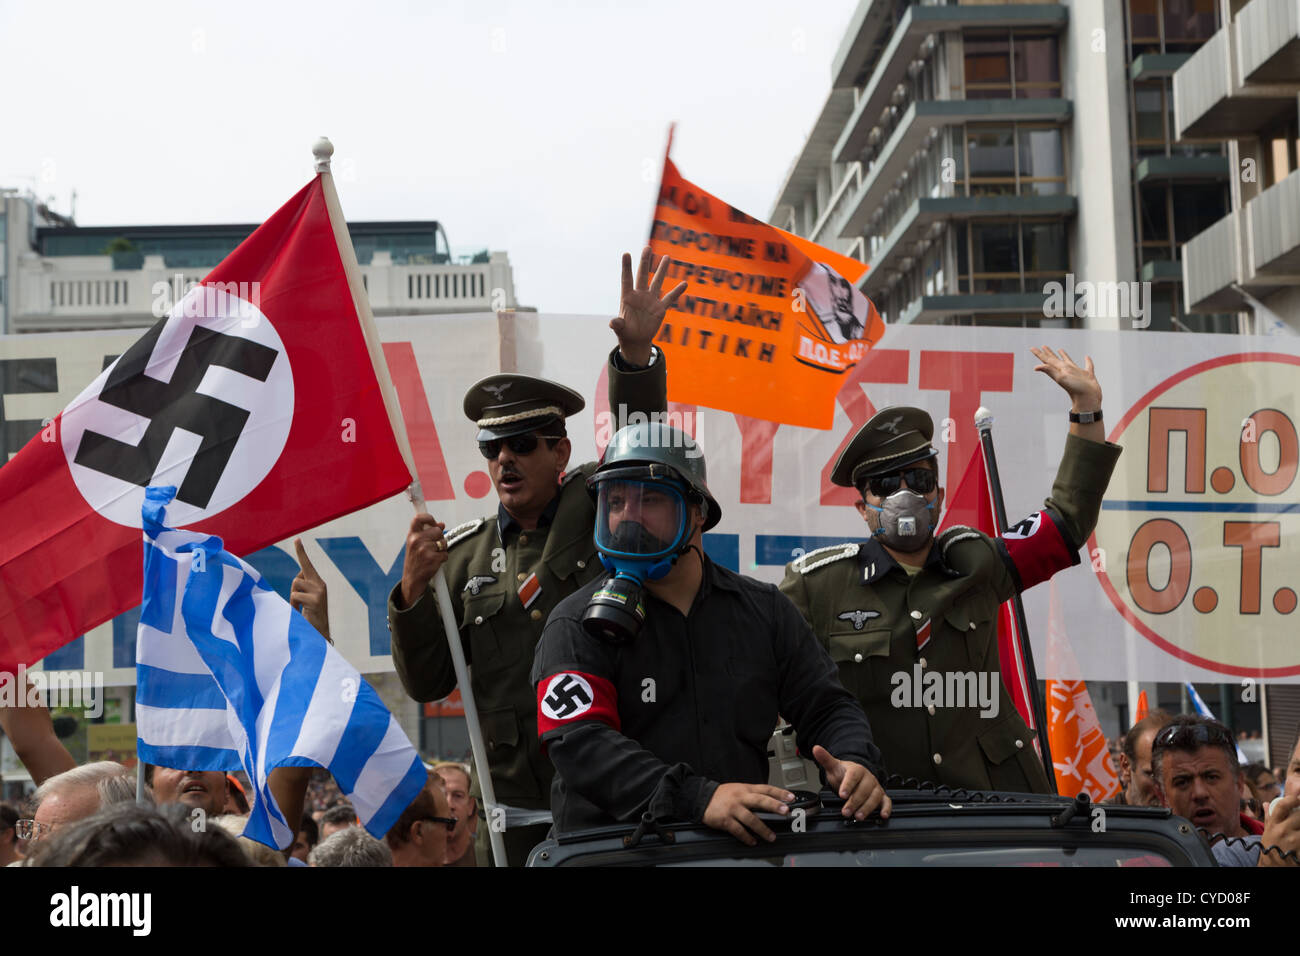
[
  {"x": 524, "y": 444},
  {"x": 448, "y": 822},
  {"x": 920, "y": 480},
  {"x": 1183, "y": 734}
]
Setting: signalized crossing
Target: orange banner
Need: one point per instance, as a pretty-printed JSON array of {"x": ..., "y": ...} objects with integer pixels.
[{"x": 769, "y": 322}]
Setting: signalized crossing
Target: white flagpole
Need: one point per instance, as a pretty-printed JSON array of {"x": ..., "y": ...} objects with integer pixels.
[{"x": 322, "y": 151}]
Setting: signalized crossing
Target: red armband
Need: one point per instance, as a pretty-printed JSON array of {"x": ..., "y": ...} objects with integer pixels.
[
  {"x": 1035, "y": 549},
  {"x": 571, "y": 696}
]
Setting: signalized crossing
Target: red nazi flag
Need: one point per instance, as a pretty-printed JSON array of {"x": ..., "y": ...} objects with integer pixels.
[{"x": 256, "y": 396}]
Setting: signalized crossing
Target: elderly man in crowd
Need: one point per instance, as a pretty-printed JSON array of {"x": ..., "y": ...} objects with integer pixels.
[
  {"x": 351, "y": 846},
  {"x": 74, "y": 795}
]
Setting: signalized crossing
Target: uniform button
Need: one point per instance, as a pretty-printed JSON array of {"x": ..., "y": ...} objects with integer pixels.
[
  {"x": 857, "y": 658},
  {"x": 937, "y": 759},
  {"x": 922, "y": 663},
  {"x": 916, "y": 615},
  {"x": 536, "y": 615},
  {"x": 1020, "y": 745},
  {"x": 972, "y": 625},
  {"x": 521, "y": 575},
  {"x": 523, "y": 539},
  {"x": 581, "y": 565},
  {"x": 478, "y": 620},
  {"x": 931, "y": 710}
]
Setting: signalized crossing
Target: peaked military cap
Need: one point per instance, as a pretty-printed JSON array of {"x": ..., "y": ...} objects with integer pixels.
[
  {"x": 895, "y": 437},
  {"x": 509, "y": 404}
]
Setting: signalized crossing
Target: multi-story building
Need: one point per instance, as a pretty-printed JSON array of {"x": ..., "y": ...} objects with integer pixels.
[
  {"x": 56, "y": 276},
  {"x": 1242, "y": 86},
  {"x": 971, "y": 153}
]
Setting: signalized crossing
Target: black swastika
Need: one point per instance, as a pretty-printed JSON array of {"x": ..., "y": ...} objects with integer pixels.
[
  {"x": 567, "y": 697},
  {"x": 176, "y": 404}
]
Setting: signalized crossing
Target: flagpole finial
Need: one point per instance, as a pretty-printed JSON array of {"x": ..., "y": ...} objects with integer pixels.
[
  {"x": 322, "y": 149},
  {"x": 983, "y": 418}
]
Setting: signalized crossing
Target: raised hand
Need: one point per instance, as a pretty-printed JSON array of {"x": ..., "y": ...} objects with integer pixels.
[
  {"x": 642, "y": 306},
  {"x": 309, "y": 594},
  {"x": 426, "y": 552},
  {"x": 1079, "y": 383}
]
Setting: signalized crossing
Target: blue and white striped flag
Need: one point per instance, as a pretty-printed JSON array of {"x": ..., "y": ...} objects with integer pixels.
[{"x": 229, "y": 677}]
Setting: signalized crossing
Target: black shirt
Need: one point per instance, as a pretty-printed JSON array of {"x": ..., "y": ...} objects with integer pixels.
[{"x": 692, "y": 702}]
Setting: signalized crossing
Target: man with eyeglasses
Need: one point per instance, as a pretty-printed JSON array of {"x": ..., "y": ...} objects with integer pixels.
[
  {"x": 419, "y": 837},
  {"x": 507, "y": 572},
  {"x": 909, "y": 607}
]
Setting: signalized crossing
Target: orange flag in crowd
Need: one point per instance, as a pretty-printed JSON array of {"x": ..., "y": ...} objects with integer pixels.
[
  {"x": 769, "y": 322},
  {"x": 1079, "y": 752},
  {"x": 1142, "y": 708}
]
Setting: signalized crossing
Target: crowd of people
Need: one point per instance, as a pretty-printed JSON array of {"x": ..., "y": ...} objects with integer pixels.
[{"x": 618, "y": 671}]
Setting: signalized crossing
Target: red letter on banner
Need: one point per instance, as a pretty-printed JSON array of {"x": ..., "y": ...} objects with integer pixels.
[
  {"x": 888, "y": 366},
  {"x": 430, "y": 466},
  {"x": 965, "y": 376}
]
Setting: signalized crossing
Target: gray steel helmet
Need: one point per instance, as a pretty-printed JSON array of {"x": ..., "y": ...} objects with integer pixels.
[{"x": 660, "y": 451}]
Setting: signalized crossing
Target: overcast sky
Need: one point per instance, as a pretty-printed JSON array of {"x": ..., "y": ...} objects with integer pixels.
[{"x": 533, "y": 127}]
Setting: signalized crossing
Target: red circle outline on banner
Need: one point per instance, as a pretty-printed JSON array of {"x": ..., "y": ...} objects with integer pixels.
[{"x": 1103, "y": 577}]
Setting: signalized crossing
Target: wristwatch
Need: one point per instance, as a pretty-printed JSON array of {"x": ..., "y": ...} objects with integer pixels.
[{"x": 1085, "y": 418}]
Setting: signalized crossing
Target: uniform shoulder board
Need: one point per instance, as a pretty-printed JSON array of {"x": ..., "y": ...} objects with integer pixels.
[
  {"x": 822, "y": 557},
  {"x": 958, "y": 532},
  {"x": 462, "y": 531}
]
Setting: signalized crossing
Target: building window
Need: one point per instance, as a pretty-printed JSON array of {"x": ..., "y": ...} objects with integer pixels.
[
  {"x": 1010, "y": 255},
  {"x": 1170, "y": 26},
  {"x": 1012, "y": 66},
  {"x": 1021, "y": 159}
]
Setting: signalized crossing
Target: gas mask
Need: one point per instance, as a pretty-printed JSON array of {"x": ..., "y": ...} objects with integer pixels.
[
  {"x": 904, "y": 522},
  {"x": 641, "y": 529}
]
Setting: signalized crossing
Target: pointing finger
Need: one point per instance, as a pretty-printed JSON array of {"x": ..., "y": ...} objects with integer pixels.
[{"x": 304, "y": 562}]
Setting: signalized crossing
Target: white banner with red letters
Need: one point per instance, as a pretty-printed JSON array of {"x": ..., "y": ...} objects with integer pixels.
[{"x": 1192, "y": 573}]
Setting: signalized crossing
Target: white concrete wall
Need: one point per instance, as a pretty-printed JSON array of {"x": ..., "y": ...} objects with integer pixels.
[{"x": 1099, "y": 145}]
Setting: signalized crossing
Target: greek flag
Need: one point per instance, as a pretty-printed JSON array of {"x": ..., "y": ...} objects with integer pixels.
[
  {"x": 1204, "y": 711},
  {"x": 229, "y": 677}
]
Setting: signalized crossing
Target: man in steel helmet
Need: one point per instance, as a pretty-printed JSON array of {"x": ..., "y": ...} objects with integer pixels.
[{"x": 658, "y": 686}]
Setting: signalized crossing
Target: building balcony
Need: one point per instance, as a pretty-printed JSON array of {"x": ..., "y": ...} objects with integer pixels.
[
  {"x": 1153, "y": 66},
  {"x": 1256, "y": 249},
  {"x": 1274, "y": 218},
  {"x": 935, "y": 308},
  {"x": 1181, "y": 168},
  {"x": 917, "y": 227},
  {"x": 912, "y": 133},
  {"x": 1215, "y": 99},
  {"x": 70, "y": 293},
  {"x": 1268, "y": 41},
  {"x": 905, "y": 45},
  {"x": 1212, "y": 266}
]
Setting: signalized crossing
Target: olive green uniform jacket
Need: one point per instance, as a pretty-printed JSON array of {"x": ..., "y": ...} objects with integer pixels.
[
  {"x": 873, "y": 618},
  {"x": 484, "y": 573}
]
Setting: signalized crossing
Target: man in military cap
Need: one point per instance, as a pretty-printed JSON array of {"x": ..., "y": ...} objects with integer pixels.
[
  {"x": 675, "y": 721},
  {"x": 507, "y": 572},
  {"x": 907, "y": 608}
]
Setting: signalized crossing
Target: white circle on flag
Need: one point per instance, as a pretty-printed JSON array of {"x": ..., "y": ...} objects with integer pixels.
[
  {"x": 1027, "y": 528},
  {"x": 187, "y": 415},
  {"x": 567, "y": 696}
]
